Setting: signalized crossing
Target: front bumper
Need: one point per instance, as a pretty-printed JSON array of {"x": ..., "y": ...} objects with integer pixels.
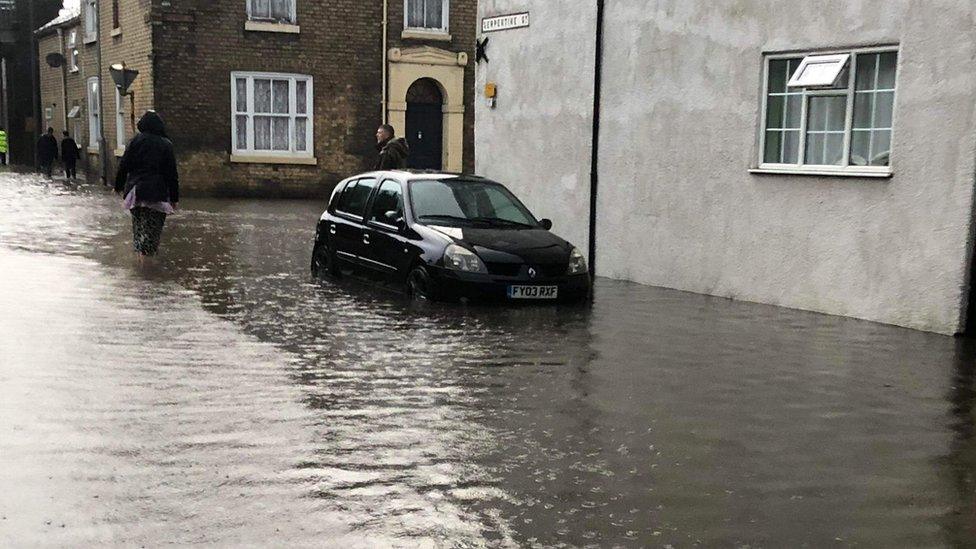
[{"x": 452, "y": 285}]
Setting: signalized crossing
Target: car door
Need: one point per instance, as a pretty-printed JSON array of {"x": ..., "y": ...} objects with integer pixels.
[
  {"x": 385, "y": 246},
  {"x": 347, "y": 229}
]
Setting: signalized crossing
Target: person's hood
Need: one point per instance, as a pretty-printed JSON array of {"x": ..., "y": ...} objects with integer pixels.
[{"x": 152, "y": 123}]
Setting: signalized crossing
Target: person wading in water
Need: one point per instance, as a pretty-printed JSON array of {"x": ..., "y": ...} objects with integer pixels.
[{"x": 149, "y": 183}]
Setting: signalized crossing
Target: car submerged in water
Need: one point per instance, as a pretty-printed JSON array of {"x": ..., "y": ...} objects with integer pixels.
[{"x": 446, "y": 237}]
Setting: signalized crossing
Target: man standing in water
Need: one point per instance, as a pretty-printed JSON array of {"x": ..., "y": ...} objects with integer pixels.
[
  {"x": 69, "y": 156},
  {"x": 148, "y": 179},
  {"x": 47, "y": 151},
  {"x": 393, "y": 150}
]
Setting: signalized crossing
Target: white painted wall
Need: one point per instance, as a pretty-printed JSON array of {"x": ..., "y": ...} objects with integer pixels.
[
  {"x": 537, "y": 140},
  {"x": 681, "y": 107}
]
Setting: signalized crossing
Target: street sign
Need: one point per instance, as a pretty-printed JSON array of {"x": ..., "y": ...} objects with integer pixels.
[{"x": 505, "y": 22}]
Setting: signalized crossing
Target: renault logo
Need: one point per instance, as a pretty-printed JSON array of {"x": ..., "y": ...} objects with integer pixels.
[{"x": 532, "y": 272}]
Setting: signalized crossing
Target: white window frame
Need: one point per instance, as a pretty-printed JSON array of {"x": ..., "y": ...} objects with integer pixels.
[
  {"x": 818, "y": 169},
  {"x": 248, "y": 110},
  {"x": 293, "y": 17},
  {"x": 119, "y": 121},
  {"x": 838, "y": 62},
  {"x": 73, "y": 50},
  {"x": 445, "y": 18},
  {"x": 91, "y": 20},
  {"x": 94, "y": 112}
]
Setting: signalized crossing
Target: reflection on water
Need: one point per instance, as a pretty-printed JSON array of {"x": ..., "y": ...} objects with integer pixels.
[{"x": 222, "y": 396}]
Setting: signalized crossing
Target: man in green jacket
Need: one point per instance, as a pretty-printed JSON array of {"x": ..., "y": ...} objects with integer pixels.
[{"x": 3, "y": 146}]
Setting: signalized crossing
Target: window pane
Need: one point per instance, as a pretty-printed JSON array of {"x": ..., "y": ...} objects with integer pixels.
[
  {"x": 774, "y": 112},
  {"x": 415, "y": 13},
  {"x": 774, "y": 144},
  {"x": 387, "y": 200},
  {"x": 434, "y": 14},
  {"x": 881, "y": 148},
  {"x": 241, "y": 132},
  {"x": 791, "y": 147},
  {"x": 281, "y": 100},
  {"x": 863, "y": 105},
  {"x": 281, "y": 10},
  {"x": 777, "y": 75},
  {"x": 262, "y": 133},
  {"x": 353, "y": 199},
  {"x": 301, "y": 134},
  {"x": 817, "y": 114},
  {"x": 834, "y": 149},
  {"x": 860, "y": 148},
  {"x": 886, "y": 70},
  {"x": 836, "y": 113},
  {"x": 280, "y": 134},
  {"x": 261, "y": 8},
  {"x": 866, "y": 67},
  {"x": 241, "y": 95},
  {"x": 262, "y": 95},
  {"x": 883, "y": 105},
  {"x": 815, "y": 149},
  {"x": 301, "y": 96},
  {"x": 794, "y": 111}
]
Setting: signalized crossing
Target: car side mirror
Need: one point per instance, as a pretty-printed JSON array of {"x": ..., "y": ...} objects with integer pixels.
[{"x": 546, "y": 224}]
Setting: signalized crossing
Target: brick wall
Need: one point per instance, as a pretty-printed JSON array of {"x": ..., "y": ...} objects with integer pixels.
[
  {"x": 50, "y": 83},
  {"x": 462, "y": 26},
  {"x": 197, "y": 46},
  {"x": 130, "y": 44}
]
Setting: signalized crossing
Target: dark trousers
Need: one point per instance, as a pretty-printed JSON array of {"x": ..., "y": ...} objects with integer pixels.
[
  {"x": 69, "y": 169},
  {"x": 147, "y": 230},
  {"x": 3, "y": 159},
  {"x": 47, "y": 167}
]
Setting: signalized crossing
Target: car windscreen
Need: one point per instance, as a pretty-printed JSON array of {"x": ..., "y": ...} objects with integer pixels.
[{"x": 458, "y": 202}]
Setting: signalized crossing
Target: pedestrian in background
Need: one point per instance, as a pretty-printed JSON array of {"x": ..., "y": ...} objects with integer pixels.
[
  {"x": 47, "y": 152},
  {"x": 69, "y": 156},
  {"x": 393, "y": 150},
  {"x": 3, "y": 147},
  {"x": 148, "y": 179}
]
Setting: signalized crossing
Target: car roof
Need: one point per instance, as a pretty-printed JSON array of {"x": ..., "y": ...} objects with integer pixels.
[{"x": 418, "y": 175}]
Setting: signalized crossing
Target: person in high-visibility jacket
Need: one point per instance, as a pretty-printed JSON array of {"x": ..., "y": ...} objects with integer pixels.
[{"x": 3, "y": 146}]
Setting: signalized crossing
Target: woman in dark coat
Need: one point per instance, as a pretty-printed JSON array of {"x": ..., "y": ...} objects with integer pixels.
[{"x": 148, "y": 180}]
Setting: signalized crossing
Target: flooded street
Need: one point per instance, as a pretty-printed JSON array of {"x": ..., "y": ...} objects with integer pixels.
[{"x": 224, "y": 397}]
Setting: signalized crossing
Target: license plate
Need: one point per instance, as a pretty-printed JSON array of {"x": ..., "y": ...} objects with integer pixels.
[{"x": 533, "y": 292}]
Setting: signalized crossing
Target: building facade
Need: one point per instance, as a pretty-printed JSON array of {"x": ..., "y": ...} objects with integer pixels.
[
  {"x": 281, "y": 98},
  {"x": 798, "y": 154}
]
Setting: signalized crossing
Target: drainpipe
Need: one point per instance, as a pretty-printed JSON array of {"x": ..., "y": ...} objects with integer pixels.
[
  {"x": 64, "y": 80},
  {"x": 595, "y": 151},
  {"x": 35, "y": 87},
  {"x": 386, "y": 25},
  {"x": 102, "y": 146}
]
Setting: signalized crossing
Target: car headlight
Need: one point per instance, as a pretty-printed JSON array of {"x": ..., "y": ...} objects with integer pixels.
[
  {"x": 577, "y": 263},
  {"x": 463, "y": 259}
]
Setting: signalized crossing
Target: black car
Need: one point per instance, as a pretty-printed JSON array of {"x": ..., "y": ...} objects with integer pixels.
[{"x": 447, "y": 236}]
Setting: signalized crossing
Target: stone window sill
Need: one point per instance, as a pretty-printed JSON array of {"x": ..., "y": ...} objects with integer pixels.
[
  {"x": 93, "y": 150},
  {"x": 117, "y": 32},
  {"x": 439, "y": 36},
  {"x": 90, "y": 39},
  {"x": 872, "y": 173},
  {"x": 266, "y": 26},
  {"x": 74, "y": 70},
  {"x": 267, "y": 159}
]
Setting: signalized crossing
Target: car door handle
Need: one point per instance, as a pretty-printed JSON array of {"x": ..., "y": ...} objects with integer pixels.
[
  {"x": 332, "y": 229},
  {"x": 366, "y": 238}
]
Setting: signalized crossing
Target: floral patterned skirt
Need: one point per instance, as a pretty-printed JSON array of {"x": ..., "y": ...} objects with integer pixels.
[{"x": 147, "y": 229}]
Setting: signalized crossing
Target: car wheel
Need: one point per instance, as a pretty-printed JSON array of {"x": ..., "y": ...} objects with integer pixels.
[
  {"x": 323, "y": 262},
  {"x": 418, "y": 284}
]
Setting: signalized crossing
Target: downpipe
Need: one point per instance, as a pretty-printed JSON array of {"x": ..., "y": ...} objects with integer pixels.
[{"x": 595, "y": 150}]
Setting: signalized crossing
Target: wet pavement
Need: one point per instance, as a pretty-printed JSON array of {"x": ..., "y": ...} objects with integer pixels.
[{"x": 221, "y": 396}]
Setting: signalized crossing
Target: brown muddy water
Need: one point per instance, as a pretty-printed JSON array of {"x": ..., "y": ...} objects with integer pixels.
[{"x": 223, "y": 397}]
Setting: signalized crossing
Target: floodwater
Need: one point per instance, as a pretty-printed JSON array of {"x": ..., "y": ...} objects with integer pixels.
[{"x": 223, "y": 397}]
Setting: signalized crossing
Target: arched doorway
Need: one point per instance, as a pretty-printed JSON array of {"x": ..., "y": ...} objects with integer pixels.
[{"x": 425, "y": 125}]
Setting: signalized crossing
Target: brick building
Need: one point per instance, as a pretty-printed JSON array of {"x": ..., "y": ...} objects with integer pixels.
[
  {"x": 65, "y": 101},
  {"x": 282, "y": 97}
]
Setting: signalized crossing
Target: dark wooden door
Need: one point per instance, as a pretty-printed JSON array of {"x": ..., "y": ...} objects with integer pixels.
[{"x": 425, "y": 125}]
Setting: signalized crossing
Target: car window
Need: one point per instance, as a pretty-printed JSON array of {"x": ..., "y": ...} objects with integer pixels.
[
  {"x": 354, "y": 197},
  {"x": 388, "y": 204},
  {"x": 467, "y": 202}
]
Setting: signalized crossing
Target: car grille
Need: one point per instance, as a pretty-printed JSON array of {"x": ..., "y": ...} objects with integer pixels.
[{"x": 552, "y": 270}]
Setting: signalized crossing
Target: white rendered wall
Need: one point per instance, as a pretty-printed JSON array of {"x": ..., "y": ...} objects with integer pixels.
[{"x": 681, "y": 106}]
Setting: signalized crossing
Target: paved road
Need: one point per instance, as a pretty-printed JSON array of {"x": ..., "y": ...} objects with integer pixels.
[{"x": 223, "y": 397}]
